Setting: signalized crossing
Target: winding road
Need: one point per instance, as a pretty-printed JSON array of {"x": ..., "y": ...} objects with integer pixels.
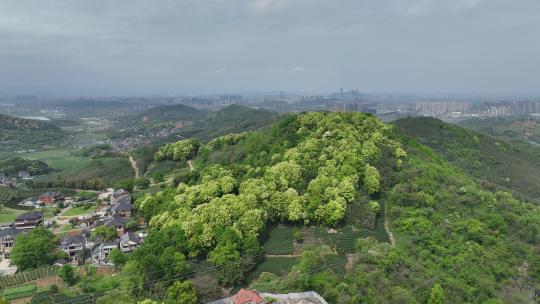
[{"x": 134, "y": 166}]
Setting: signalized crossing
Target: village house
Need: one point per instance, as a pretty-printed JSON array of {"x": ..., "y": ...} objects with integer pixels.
[
  {"x": 129, "y": 242},
  {"x": 118, "y": 194},
  {"x": 29, "y": 220},
  {"x": 247, "y": 296},
  {"x": 7, "y": 181},
  {"x": 72, "y": 245},
  {"x": 49, "y": 198},
  {"x": 118, "y": 223},
  {"x": 7, "y": 240},
  {"x": 101, "y": 252},
  {"x": 23, "y": 174},
  {"x": 122, "y": 208},
  {"x": 31, "y": 202}
]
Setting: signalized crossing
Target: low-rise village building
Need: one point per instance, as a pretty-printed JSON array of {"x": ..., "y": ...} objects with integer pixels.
[
  {"x": 29, "y": 220},
  {"x": 23, "y": 174},
  {"x": 73, "y": 245},
  {"x": 101, "y": 252},
  {"x": 7, "y": 181},
  {"x": 118, "y": 194},
  {"x": 122, "y": 208},
  {"x": 7, "y": 240},
  {"x": 49, "y": 198},
  {"x": 247, "y": 296},
  {"x": 118, "y": 223},
  {"x": 129, "y": 242},
  {"x": 31, "y": 202}
]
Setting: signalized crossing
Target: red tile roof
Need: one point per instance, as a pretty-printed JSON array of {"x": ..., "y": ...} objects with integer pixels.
[{"x": 245, "y": 296}]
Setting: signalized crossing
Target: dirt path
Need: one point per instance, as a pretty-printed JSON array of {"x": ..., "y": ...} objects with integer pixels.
[
  {"x": 282, "y": 255},
  {"x": 134, "y": 166},
  {"x": 391, "y": 237}
]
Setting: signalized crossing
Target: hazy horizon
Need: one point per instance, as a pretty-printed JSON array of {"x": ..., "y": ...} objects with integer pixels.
[{"x": 85, "y": 48}]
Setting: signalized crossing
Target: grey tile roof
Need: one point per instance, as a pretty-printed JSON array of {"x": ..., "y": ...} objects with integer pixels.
[
  {"x": 129, "y": 236},
  {"x": 76, "y": 239},
  {"x": 9, "y": 231},
  {"x": 122, "y": 205},
  {"x": 116, "y": 222},
  {"x": 33, "y": 215}
]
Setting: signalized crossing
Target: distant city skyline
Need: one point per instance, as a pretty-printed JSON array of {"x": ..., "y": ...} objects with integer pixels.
[{"x": 173, "y": 47}]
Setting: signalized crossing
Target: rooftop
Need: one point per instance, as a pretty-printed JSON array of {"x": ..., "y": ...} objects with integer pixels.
[{"x": 32, "y": 215}]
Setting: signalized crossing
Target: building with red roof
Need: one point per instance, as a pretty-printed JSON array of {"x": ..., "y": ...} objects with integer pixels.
[{"x": 246, "y": 296}]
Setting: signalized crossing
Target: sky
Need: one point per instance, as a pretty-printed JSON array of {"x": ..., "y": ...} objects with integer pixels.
[{"x": 144, "y": 47}]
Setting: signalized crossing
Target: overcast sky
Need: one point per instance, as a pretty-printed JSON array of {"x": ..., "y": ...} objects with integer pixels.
[{"x": 137, "y": 47}]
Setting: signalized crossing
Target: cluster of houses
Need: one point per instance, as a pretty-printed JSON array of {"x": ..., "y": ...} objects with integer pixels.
[
  {"x": 47, "y": 199},
  {"x": 248, "y": 296},
  {"x": 23, "y": 223},
  {"x": 6, "y": 181},
  {"x": 77, "y": 244},
  {"x": 10, "y": 181},
  {"x": 115, "y": 216}
]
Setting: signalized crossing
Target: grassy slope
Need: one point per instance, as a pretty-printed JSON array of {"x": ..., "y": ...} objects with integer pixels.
[
  {"x": 498, "y": 164},
  {"x": 8, "y": 215},
  {"x": 69, "y": 167}
]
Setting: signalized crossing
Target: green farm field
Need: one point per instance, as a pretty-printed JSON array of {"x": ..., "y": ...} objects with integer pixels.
[
  {"x": 8, "y": 215},
  {"x": 76, "y": 211},
  {"x": 61, "y": 160}
]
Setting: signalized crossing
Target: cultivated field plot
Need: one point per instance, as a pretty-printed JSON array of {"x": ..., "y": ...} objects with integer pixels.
[
  {"x": 19, "y": 291},
  {"x": 341, "y": 240},
  {"x": 27, "y": 276},
  {"x": 277, "y": 265}
]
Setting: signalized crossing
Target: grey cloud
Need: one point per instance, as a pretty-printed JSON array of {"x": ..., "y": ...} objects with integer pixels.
[{"x": 174, "y": 46}]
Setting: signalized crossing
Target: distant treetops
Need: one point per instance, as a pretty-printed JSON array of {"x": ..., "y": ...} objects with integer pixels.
[
  {"x": 323, "y": 164},
  {"x": 179, "y": 151}
]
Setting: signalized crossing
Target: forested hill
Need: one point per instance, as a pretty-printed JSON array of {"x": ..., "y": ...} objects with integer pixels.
[
  {"x": 498, "y": 163},
  {"x": 455, "y": 240},
  {"x": 20, "y": 133},
  {"x": 230, "y": 119},
  {"x": 161, "y": 114},
  {"x": 8, "y": 122}
]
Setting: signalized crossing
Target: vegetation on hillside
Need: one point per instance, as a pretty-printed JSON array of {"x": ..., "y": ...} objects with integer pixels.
[
  {"x": 160, "y": 115},
  {"x": 19, "y": 133},
  {"x": 512, "y": 128},
  {"x": 230, "y": 119},
  {"x": 306, "y": 169},
  {"x": 456, "y": 239},
  {"x": 498, "y": 164},
  {"x": 97, "y": 173},
  {"x": 451, "y": 234},
  {"x": 12, "y": 166}
]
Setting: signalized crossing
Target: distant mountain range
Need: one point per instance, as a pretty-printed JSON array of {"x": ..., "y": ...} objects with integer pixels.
[
  {"x": 161, "y": 114},
  {"x": 202, "y": 124}
]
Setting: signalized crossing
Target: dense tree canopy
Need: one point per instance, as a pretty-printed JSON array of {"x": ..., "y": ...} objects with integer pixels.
[
  {"x": 180, "y": 151},
  {"x": 34, "y": 249},
  {"x": 328, "y": 161},
  {"x": 455, "y": 240}
]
